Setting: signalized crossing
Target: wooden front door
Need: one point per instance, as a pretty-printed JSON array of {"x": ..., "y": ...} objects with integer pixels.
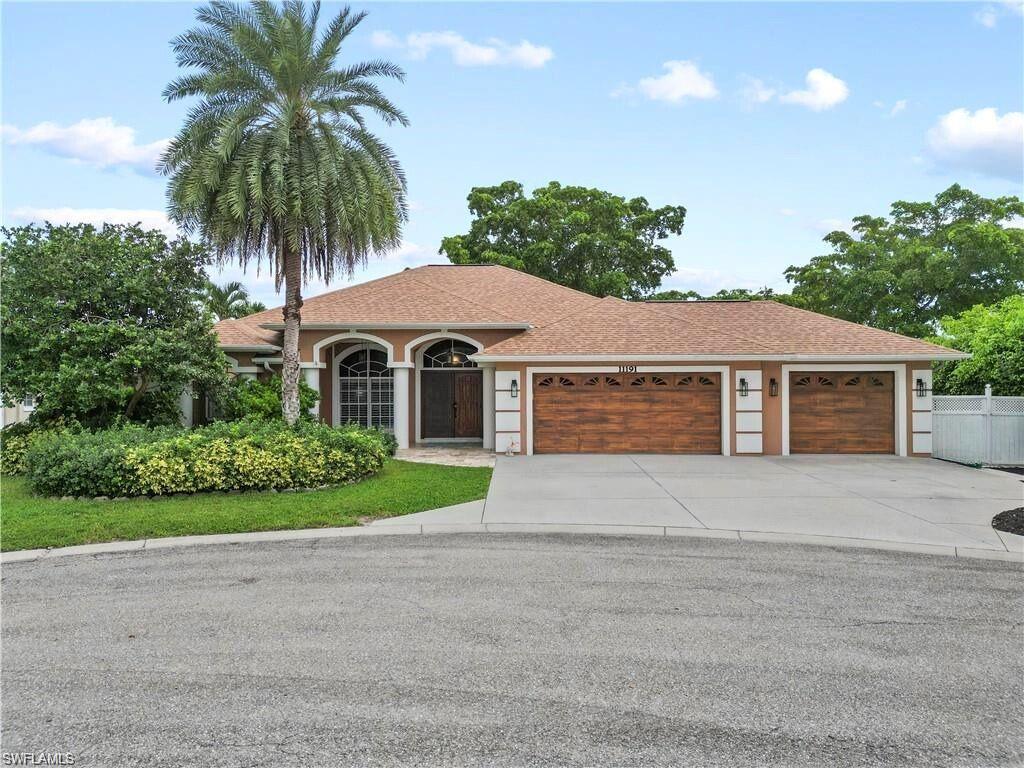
[
  {"x": 627, "y": 413},
  {"x": 451, "y": 404},
  {"x": 836, "y": 412}
]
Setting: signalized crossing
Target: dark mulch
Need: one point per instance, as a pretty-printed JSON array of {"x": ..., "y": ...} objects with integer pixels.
[{"x": 1011, "y": 521}]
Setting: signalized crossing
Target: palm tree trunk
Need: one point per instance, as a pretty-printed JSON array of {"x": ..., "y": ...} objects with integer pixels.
[{"x": 290, "y": 353}]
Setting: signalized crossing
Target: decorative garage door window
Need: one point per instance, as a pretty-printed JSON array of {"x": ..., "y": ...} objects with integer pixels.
[
  {"x": 611, "y": 382},
  {"x": 449, "y": 353},
  {"x": 366, "y": 388}
]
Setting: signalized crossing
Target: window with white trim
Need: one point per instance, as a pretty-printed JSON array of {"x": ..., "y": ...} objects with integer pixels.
[{"x": 366, "y": 388}]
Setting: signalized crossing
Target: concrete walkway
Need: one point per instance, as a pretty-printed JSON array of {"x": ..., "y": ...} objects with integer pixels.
[{"x": 919, "y": 505}]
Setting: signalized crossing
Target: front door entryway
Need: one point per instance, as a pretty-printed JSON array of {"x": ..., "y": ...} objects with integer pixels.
[{"x": 452, "y": 405}]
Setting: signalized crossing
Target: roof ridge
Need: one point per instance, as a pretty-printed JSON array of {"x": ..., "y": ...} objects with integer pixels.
[
  {"x": 549, "y": 282},
  {"x": 862, "y": 326},
  {"x": 345, "y": 288},
  {"x": 720, "y": 330},
  {"x": 463, "y": 298}
]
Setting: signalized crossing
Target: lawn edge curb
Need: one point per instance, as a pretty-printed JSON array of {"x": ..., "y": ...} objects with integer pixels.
[{"x": 417, "y": 529}]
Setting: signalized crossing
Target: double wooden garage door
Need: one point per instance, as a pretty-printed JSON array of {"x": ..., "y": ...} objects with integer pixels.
[
  {"x": 627, "y": 413},
  {"x": 835, "y": 412}
]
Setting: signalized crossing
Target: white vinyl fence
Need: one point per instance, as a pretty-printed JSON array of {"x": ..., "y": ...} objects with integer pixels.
[{"x": 978, "y": 429}]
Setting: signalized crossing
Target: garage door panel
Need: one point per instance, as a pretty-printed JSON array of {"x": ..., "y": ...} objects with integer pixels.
[
  {"x": 627, "y": 413},
  {"x": 842, "y": 412}
]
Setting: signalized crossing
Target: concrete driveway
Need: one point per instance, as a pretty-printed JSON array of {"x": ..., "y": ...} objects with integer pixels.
[
  {"x": 505, "y": 650},
  {"x": 912, "y": 503}
]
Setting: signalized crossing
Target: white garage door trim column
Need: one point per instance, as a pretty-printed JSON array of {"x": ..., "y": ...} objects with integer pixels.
[
  {"x": 899, "y": 371},
  {"x": 720, "y": 369}
]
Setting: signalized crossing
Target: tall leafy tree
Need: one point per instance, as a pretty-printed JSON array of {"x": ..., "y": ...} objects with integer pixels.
[
  {"x": 925, "y": 261},
  {"x": 230, "y": 300},
  {"x": 994, "y": 335},
  {"x": 104, "y": 325},
  {"x": 587, "y": 239},
  {"x": 276, "y": 162}
]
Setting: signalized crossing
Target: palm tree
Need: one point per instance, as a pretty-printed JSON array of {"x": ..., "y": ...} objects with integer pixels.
[
  {"x": 228, "y": 300},
  {"x": 275, "y": 161}
]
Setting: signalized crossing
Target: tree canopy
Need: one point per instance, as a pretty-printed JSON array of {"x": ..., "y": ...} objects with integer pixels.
[
  {"x": 924, "y": 262},
  {"x": 275, "y": 161},
  {"x": 994, "y": 335},
  {"x": 587, "y": 239},
  {"x": 725, "y": 294},
  {"x": 105, "y": 324},
  {"x": 230, "y": 300}
]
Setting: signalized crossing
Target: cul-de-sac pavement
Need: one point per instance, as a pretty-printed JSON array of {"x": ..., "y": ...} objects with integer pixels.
[{"x": 518, "y": 650}]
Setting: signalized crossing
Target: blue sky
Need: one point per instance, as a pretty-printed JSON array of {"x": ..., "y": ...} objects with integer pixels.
[{"x": 772, "y": 123}]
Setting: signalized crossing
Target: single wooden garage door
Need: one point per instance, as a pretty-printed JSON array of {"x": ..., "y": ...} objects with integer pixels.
[
  {"x": 627, "y": 413},
  {"x": 835, "y": 412}
]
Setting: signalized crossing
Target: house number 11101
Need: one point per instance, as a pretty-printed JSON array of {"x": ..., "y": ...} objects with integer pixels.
[{"x": 627, "y": 369}]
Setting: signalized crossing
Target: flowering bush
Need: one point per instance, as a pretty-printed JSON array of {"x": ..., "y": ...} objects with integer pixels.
[{"x": 243, "y": 455}]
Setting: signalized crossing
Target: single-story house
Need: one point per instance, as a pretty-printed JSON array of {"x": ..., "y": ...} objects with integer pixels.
[{"x": 489, "y": 355}]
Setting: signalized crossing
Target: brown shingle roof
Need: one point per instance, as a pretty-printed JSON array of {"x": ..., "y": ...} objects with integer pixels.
[
  {"x": 791, "y": 331},
  {"x": 566, "y": 322},
  {"x": 438, "y": 294},
  {"x": 241, "y": 334},
  {"x": 615, "y": 327}
]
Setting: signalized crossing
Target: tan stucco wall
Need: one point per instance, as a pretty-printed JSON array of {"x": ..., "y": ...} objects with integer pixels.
[
  {"x": 398, "y": 338},
  {"x": 771, "y": 410}
]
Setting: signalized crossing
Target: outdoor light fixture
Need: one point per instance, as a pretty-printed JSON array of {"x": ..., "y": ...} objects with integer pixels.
[
  {"x": 744, "y": 388},
  {"x": 773, "y": 388},
  {"x": 514, "y": 390},
  {"x": 921, "y": 391}
]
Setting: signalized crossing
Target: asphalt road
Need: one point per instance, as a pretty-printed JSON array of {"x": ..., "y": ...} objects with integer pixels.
[{"x": 514, "y": 650}]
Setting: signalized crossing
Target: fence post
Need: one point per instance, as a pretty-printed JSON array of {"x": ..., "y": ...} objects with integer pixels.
[{"x": 988, "y": 424}]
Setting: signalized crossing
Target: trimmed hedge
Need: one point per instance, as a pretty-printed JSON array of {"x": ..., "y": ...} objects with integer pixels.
[{"x": 244, "y": 455}]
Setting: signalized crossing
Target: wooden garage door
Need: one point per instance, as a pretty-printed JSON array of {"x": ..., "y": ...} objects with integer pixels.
[
  {"x": 627, "y": 413},
  {"x": 834, "y": 412}
]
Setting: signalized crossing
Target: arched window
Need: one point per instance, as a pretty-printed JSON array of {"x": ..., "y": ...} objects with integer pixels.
[
  {"x": 449, "y": 353},
  {"x": 366, "y": 387}
]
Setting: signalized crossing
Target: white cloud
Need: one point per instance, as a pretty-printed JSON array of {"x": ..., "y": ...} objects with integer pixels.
[
  {"x": 825, "y": 226},
  {"x": 146, "y": 218},
  {"x": 989, "y": 15},
  {"x": 756, "y": 92},
  {"x": 824, "y": 91},
  {"x": 983, "y": 142},
  {"x": 682, "y": 80},
  {"x": 100, "y": 142},
  {"x": 493, "y": 52},
  {"x": 787, "y": 212},
  {"x": 895, "y": 109}
]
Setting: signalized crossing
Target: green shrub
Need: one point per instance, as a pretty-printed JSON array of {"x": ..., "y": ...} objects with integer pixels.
[
  {"x": 243, "y": 455},
  {"x": 87, "y": 463},
  {"x": 15, "y": 440},
  {"x": 252, "y": 399},
  {"x": 388, "y": 438}
]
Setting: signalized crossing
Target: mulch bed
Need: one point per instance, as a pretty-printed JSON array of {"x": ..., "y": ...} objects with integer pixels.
[{"x": 1010, "y": 521}]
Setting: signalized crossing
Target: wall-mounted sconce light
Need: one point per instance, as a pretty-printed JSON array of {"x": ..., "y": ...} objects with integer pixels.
[
  {"x": 514, "y": 389},
  {"x": 773, "y": 388},
  {"x": 921, "y": 389},
  {"x": 744, "y": 388}
]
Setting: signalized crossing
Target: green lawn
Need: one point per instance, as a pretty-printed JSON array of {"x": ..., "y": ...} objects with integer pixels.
[{"x": 29, "y": 522}]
